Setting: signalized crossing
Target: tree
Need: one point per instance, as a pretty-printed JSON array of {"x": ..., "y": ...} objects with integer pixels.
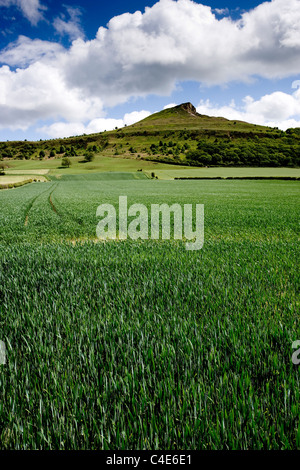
[
  {"x": 198, "y": 156},
  {"x": 42, "y": 154},
  {"x": 89, "y": 156},
  {"x": 216, "y": 159},
  {"x": 66, "y": 162},
  {"x": 73, "y": 152}
]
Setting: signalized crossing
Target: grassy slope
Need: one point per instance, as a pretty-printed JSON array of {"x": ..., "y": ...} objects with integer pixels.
[
  {"x": 180, "y": 118},
  {"x": 170, "y": 174},
  {"x": 100, "y": 163}
]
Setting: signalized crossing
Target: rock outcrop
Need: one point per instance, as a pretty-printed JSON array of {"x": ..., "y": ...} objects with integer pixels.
[{"x": 189, "y": 108}]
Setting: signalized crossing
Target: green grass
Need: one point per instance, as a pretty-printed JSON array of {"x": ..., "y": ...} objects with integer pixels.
[
  {"x": 143, "y": 345},
  {"x": 164, "y": 171},
  {"x": 169, "y": 174},
  {"x": 99, "y": 164},
  {"x": 104, "y": 176}
]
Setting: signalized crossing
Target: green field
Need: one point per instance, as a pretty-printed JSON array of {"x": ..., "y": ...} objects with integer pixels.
[
  {"x": 144, "y": 345},
  {"x": 169, "y": 174},
  {"x": 33, "y": 168},
  {"x": 99, "y": 164}
]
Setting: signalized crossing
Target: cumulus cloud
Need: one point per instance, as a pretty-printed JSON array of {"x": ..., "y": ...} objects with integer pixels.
[
  {"x": 64, "y": 129},
  {"x": 70, "y": 27},
  {"x": 277, "y": 109},
  {"x": 31, "y": 9},
  {"x": 40, "y": 92},
  {"x": 26, "y": 51},
  {"x": 138, "y": 54},
  {"x": 144, "y": 53},
  {"x": 135, "y": 116}
]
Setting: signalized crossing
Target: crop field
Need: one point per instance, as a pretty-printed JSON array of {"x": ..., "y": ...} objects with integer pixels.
[
  {"x": 11, "y": 171},
  {"x": 217, "y": 172},
  {"x": 11, "y": 179},
  {"x": 142, "y": 344}
]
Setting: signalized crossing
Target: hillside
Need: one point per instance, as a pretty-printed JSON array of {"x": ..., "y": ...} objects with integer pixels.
[
  {"x": 185, "y": 117},
  {"x": 178, "y": 136}
]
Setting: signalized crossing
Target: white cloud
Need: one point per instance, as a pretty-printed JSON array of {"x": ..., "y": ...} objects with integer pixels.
[
  {"x": 31, "y": 9},
  {"x": 296, "y": 84},
  {"x": 275, "y": 110},
  {"x": 221, "y": 11},
  {"x": 40, "y": 92},
  {"x": 63, "y": 129},
  {"x": 135, "y": 116},
  {"x": 26, "y": 51},
  {"x": 138, "y": 54},
  {"x": 144, "y": 53},
  {"x": 170, "y": 105},
  {"x": 71, "y": 27}
]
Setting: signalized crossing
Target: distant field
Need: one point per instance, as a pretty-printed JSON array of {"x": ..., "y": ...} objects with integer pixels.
[
  {"x": 104, "y": 176},
  {"x": 120, "y": 165},
  {"x": 11, "y": 171},
  {"x": 100, "y": 163},
  {"x": 11, "y": 179},
  {"x": 226, "y": 172}
]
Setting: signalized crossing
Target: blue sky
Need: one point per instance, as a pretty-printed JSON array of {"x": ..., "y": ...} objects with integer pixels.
[{"x": 86, "y": 66}]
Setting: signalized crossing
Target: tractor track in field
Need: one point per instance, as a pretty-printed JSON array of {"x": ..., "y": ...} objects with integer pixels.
[
  {"x": 51, "y": 202},
  {"x": 64, "y": 213},
  {"x": 57, "y": 212},
  {"x": 34, "y": 200},
  {"x": 52, "y": 205},
  {"x": 30, "y": 206}
]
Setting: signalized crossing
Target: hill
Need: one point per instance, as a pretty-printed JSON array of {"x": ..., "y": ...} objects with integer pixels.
[
  {"x": 178, "y": 136},
  {"x": 185, "y": 116}
]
